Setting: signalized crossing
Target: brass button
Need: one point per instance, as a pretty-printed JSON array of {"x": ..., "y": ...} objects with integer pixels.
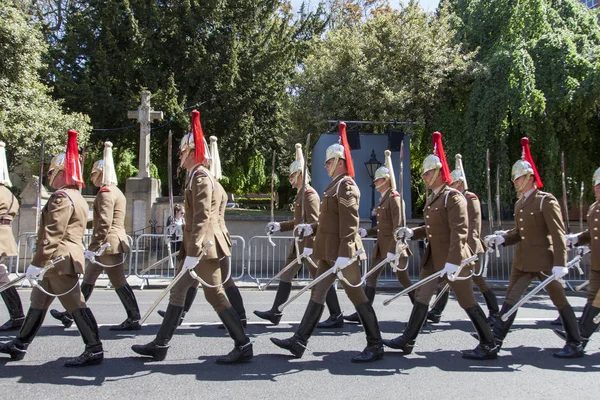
[
  {"x": 428, "y": 226},
  {"x": 520, "y": 210},
  {"x": 427, "y": 216},
  {"x": 522, "y": 229},
  {"x": 520, "y": 219},
  {"x": 522, "y": 237},
  {"x": 430, "y": 235}
]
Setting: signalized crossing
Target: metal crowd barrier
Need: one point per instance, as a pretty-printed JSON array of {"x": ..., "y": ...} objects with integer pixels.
[
  {"x": 26, "y": 249},
  {"x": 152, "y": 248}
]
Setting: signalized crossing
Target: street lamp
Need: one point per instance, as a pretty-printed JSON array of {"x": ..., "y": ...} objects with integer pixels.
[{"x": 372, "y": 166}]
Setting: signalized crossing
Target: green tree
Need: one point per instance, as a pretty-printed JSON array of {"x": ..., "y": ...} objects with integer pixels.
[
  {"x": 537, "y": 74},
  {"x": 27, "y": 111}
]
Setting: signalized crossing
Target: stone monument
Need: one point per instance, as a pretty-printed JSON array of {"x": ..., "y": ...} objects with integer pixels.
[{"x": 142, "y": 191}]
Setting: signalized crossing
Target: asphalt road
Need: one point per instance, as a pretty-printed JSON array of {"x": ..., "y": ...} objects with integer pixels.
[{"x": 525, "y": 368}]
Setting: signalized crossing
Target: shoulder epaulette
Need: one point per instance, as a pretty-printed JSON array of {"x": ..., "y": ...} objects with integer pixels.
[
  {"x": 104, "y": 189},
  {"x": 472, "y": 196},
  {"x": 395, "y": 194}
]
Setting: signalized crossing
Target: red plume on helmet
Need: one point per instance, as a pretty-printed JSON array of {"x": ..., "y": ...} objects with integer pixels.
[
  {"x": 72, "y": 166},
  {"x": 438, "y": 150},
  {"x": 344, "y": 142},
  {"x": 526, "y": 156},
  {"x": 199, "y": 142}
]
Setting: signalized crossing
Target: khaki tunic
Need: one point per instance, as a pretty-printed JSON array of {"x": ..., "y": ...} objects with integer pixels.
[
  {"x": 109, "y": 221},
  {"x": 540, "y": 238},
  {"x": 474, "y": 239},
  {"x": 9, "y": 206},
  {"x": 591, "y": 237},
  {"x": 109, "y": 227},
  {"x": 61, "y": 230},
  {"x": 337, "y": 236},
  {"x": 311, "y": 216},
  {"x": 390, "y": 216},
  {"x": 446, "y": 229},
  {"x": 224, "y": 261},
  {"x": 202, "y": 199}
]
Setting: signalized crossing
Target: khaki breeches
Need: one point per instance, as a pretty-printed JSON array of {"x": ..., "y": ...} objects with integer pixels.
[
  {"x": 520, "y": 280},
  {"x": 352, "y": 273},
  {"x": 402, "y": 276},
  {"x": 463, "y": 289},
  {"x": 58, "y": 284},
  {"x": 116, "y": 274},
  {"x": 224, "y": 265},
  {"x": 480, "y": 280},
  {"x": 210, "y": 272},
  {"x": 4, "y": 278}
]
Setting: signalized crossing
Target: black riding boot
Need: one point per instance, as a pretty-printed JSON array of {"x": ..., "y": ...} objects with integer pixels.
[
  {"x": 436, "y": 312},
  {"x": 297, "y": 343},
  {"x": 586, "y": 324},
  {"x": 492, "y": 304},
  {"x": 573, "y": 347},
  {"x": 283, "y": 294},
  {"x": 15, "y": 310},
  {"x": 18, "y": 347},
  {"x": 242, "y": 351},
  {"x": 235, "y": 298},
  {"x": 64, "y": 317},
  {"x": 374, "y": 349},
  {"x": 501, "y": 328},
  {"x": 127, "y": 297},
  {"x": 157, "y": 349},
  {"x": 336, "y": 318},
  {"x": 406, "y": 341},
  {"x": 93, "y": 353},
  {"x": 487, "y": 349},
  {"x": 370, "y": 293}
]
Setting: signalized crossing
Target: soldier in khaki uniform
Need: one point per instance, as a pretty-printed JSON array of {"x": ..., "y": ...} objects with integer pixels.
[
  {"x": 9, "y": 207},
  {"x": 590, "y": 237},
  {"x": 541, "y": 251},
  {"x": 390, "y": 216},
  {"x": 109, "y": 228},
  {"x": 459, "y": 182},
  {"x": 311, "y": 216},
  {"x": 61, "y": 231},
  {"x": 202, "y": 198},
  {"x": 336, "y": 241},
  {"x": 446, "y": 229}
]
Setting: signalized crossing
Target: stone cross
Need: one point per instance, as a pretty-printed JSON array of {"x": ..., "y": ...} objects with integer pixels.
[{"x": 144, "y": 115}]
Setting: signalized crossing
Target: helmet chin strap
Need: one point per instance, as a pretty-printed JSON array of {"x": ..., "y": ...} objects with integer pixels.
[
  {"x": 433, "y": 178},
  {"x": 525, "y": 181},
  {"x": 333, "y": 167},
  {"x": 382, "y": 184}
]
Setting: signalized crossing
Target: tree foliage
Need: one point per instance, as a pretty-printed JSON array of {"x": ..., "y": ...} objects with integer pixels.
[
  {"x": 27, "y": 111},
  {"x": 537, "y": 74}
]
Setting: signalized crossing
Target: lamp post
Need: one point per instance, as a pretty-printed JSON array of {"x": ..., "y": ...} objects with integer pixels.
[{"x": 372, "y": 166}]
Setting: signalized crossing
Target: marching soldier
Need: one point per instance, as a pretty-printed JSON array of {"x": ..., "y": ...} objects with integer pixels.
[
  {"x": 539, "y": 234},
  {"x": 446, "y": 229},
  {"x": 60, "y": 233},
  {"x": 390, "y": 216},
  {"x": 9, "y": 206},
  {"x": 336, "y": 242},
  {"x": 590, "y": 237},
  {"x": 459, "y": 182},
  {"x": 202, "y": 198},
  {"x": 110, "y": 239},
  {"x": 311, "y": 216}
]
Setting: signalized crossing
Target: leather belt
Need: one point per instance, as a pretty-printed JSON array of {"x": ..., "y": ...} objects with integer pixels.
[{"x": 5, "y": 221}]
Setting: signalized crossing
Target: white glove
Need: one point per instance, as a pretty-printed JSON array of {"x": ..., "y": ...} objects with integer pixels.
[
  {"x": 572, "y": 240},
  {"x": 559, "y": 272},
  {"x": 307, "y": 252},
  {"x": 449, "y": 270},
  {"x": 33, "y": 272},
  {"x": 305, "y": 229},
  {"x": 390, "y": 257},
  {"x": 273, "y": 227},
  {"x": 493, "y": 240},
  {"x": 89, "y": 255},
  {"x": 362, "y": 232},
  {"x": 404, "y": 233},
  {"x": 190, "y": 263},
  {"x": 341, "y": 262}
]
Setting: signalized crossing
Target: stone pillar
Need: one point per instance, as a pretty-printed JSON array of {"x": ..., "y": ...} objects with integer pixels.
[{"x": 141, "y": 193}]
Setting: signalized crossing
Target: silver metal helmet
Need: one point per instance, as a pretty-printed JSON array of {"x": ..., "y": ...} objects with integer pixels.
[
  {"x": 459, "y": 173},
  {"x": 336, "y": 151},
  {"x": 431, "y": 162},
  {"x": 4, "y": 177},
  {"x": 387, "y": 170},
  {"x": 297, "y": 167},
  {"x": 596, "y": 178},
  {"x": 56, "y": 165},
  {"x": 519, "y": 169}
]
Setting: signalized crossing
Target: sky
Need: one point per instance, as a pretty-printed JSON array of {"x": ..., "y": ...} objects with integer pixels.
[{"x": 428, "y": 5}]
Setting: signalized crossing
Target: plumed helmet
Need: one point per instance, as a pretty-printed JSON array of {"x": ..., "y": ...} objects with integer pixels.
[
  {"x": 196, "y": 136},
  {"x": 459, "y": 172},
  {"x": 298, "y": 164},
  {"x": 596, "y": 177},
  {"x": 526, "y": 166},
  {"x": 387, "y": 170},
  {"x": 437, "y": 159},
  {"x": 68, "y": 162},
  {"x": 215, "y": 160}
]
